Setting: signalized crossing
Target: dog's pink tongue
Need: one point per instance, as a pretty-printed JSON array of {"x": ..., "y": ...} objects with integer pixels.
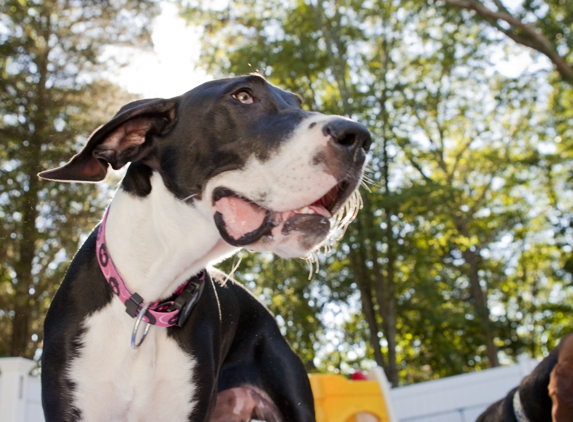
[{"x": 241, "y": 217}]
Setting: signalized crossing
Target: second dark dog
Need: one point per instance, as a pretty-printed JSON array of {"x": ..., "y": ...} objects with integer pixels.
[{"x": 546, "y": 395}]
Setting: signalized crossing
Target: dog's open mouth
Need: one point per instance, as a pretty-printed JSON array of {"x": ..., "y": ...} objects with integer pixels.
[{"x": 242, "y": 222}]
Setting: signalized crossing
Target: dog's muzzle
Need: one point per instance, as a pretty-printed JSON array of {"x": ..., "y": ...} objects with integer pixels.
[
  {"x": 336, "y": 165},
  {"x": 242, "y": 222}
]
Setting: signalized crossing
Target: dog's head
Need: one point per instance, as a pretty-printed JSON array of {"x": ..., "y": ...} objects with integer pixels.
[{"x": 269, "y": 175}]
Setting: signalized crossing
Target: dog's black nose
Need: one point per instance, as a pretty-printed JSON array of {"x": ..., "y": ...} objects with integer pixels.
[{"x": 348, "y": 134}]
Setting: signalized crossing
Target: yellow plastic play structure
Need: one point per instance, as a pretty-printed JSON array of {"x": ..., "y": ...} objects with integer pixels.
[{"x": 337, "y": 399}]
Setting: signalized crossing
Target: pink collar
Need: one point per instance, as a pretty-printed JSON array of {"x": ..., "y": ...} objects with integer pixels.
[{"x": 167, "y": 313}]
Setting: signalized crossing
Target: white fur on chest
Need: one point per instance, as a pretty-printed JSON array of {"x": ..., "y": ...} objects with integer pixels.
[{"x": 115, "y": 383}]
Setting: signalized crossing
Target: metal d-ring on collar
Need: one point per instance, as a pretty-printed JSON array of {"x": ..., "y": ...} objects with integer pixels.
[{"x": 134, "y": 344}]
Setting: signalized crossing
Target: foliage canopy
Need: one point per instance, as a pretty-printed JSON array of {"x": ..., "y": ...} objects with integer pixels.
[{"x": 455, "y": 262}]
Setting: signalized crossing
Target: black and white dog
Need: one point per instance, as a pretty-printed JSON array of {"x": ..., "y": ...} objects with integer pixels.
[{"x": 232, "y": 163}]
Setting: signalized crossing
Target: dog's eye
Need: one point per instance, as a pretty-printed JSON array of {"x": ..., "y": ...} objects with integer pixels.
[{"x": 244, "y": 97}]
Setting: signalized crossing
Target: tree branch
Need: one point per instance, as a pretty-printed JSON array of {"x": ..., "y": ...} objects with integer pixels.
[{"x": 534, "y": 40}]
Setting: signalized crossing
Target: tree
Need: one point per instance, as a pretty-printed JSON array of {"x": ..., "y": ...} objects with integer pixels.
[{"x": 51, "y": 100}]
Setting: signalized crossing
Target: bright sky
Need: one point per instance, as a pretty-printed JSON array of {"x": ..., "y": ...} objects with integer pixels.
[{"x": 169, "y": 70}]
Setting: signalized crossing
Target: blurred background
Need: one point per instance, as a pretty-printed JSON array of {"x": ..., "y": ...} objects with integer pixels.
[{"x": 461, "y": 257}]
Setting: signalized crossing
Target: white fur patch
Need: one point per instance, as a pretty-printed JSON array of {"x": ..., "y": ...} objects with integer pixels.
[{"x": 115, "y": 383}]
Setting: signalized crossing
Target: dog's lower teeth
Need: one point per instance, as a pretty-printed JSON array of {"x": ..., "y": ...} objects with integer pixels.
[{"x": 306, "y": 210}]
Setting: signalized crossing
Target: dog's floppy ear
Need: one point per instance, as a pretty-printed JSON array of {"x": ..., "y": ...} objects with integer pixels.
[{"x": 117, "y": 142}]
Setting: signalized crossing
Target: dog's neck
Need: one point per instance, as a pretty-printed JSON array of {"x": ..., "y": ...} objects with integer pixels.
[{"x": 158, "y": 242}]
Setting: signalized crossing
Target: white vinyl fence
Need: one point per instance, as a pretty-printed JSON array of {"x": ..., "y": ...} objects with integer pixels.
[
  {"x": 461, "y": 398},
  {"x": 454, "y": 399},
  {"x": 20, "y": 399}
]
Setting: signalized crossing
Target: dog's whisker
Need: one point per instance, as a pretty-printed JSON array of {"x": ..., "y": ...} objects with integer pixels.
[
  {"x": 189, "y": 197},
  {"x": 236, "y": 263},
  {"x": 341, "y": 220},
  {"x": 312, "y": 259},
  {"x": 365, "y": 186},
  {"x": 367, "y": 180}
]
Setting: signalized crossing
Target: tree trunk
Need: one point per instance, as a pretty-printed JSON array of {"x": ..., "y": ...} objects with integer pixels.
[
  {"x": 23, "y": 306},
  {"x": 390, "y": 311},
  {"x": 23, "y": 267},
  {"x": 384, "y": 296},
  {"x": 357, "y": 261},
  {"x": 337, "y": 63},
  {"x": 480, "y": 303}
]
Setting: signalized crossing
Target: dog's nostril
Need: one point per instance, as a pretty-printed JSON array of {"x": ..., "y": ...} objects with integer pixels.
[{"x": 347, "y": 140}]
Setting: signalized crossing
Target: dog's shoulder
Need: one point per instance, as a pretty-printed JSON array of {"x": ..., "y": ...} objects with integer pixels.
[{"x": 83, "y": 290}]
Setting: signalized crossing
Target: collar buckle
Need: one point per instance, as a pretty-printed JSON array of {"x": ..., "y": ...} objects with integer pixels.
[
  {"x": 133, "y": 305},
  {"x": 187, "y": 299}
]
